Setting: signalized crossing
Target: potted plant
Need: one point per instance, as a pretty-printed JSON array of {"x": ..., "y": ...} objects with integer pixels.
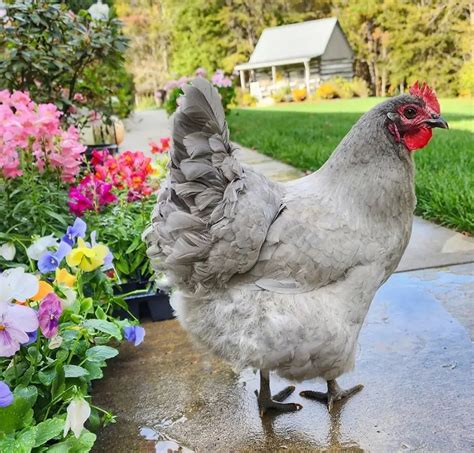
[{"x": 116, "y": 198}]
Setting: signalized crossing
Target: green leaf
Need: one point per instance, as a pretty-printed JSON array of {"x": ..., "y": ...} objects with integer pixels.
[
  {"x": 95, "y": 370},
  {"x": 72, "y": 445},
  {"x": 104, "y": 326},
  {"x": 57, "y": 216},
  {"x": 46, "y": 377},
  {"x": 16, "y": 416},
  {"x": 101, "y": 353},
  {"x": 74, "y": 371},
  {"x": 48, "y": 430},
  {"x": 26, "y": 440},
  {"x": 100, "y": 314}
]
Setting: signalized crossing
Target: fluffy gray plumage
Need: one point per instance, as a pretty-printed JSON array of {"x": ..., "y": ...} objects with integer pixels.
[{"x": 279, "y": 276}]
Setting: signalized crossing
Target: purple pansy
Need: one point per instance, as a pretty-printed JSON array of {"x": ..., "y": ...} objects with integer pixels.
[
  {"x": 50, "y": 261},
  {"x": 78, "y": 229},
  {"x": 134, "y": 334},
  {"x": 15, "y": 321},
  {"x": 32, "y": 337},
  {"x": 49, "y": 313},
  {"x": 6, "y": 395}
]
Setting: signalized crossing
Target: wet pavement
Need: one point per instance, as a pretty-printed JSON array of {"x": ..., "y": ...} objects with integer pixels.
[{"x": 415, "y": 360}]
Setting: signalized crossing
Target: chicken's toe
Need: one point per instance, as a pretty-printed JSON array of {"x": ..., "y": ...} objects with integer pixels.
[{"x": 334, "y": 393}]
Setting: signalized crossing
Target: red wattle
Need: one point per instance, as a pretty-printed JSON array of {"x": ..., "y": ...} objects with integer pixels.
[{"x": 417, "y": 139}]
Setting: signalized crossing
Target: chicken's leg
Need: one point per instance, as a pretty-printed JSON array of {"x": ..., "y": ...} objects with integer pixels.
[
  {"x": 268, "y": 402},
  {"x": 334, "y": 393}
]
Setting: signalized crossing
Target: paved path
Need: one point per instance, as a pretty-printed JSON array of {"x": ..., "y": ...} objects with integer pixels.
[{"x": 415, "y": 359}]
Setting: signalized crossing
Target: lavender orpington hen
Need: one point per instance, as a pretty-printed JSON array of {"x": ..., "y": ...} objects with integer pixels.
[{"x": 279, "y": 277}]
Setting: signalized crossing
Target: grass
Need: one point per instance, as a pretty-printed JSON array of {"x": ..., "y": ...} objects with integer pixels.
[{"x": 305, "y": 134}]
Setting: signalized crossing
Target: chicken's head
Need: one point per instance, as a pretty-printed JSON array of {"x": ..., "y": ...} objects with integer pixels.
[{"x": 414, "y": 117}]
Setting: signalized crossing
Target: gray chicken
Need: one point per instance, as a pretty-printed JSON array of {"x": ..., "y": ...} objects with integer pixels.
[{"x": 279, "y": 277}]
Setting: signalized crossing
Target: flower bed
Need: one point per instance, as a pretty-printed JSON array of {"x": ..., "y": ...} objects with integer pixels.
[
  {"x": 70, "y": 233},
  {"x": 57, "y": 331}
]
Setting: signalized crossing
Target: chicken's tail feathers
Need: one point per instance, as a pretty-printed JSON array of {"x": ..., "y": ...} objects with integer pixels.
[{"x": 203, "y": 208}]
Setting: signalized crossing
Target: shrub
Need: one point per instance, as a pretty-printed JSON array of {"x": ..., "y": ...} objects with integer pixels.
[
  {"x": 466, "y": 79},
  {"x": 52, "y": 53},
  {"x": 359, "y": 87},
  {"x": 327, "y": 90},
  {"x": 338, "y": 87},
  {"x": 281, "y": 94},
  {"x": 244, "y": 99},
  {"x": 298, "y": 94}
]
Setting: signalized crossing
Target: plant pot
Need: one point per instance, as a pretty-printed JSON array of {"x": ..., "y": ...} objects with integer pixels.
[{"x": 153, "y": 304}]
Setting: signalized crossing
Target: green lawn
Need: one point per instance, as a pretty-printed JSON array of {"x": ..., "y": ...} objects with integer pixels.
[{"x": 305, "y": 134}]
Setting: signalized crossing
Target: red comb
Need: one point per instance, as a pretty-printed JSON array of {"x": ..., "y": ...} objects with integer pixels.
[{"x": 428, "y": 95}]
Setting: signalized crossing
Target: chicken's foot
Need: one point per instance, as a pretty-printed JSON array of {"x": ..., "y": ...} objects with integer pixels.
[
  {"x": 267, "y": 402},
  {"x": 334, "y": 393}
]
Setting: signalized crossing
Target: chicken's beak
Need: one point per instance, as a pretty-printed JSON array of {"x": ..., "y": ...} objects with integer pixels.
[{"x": 437, "y": 121}]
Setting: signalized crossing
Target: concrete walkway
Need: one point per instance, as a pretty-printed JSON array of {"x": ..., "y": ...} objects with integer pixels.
[{"x": 415, "y": 360}]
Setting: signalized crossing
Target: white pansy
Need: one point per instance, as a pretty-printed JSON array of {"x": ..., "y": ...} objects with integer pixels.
[
  {"x": 40, "y": 246},
  {"x": 78, "y": 412},
  {"x": 16, "y": 284},
  {"x": 55, "y": 342},
  {"x": 8, "y": 251}
]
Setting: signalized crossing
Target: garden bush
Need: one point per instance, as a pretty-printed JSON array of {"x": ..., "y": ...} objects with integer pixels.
[
  {"x": 244, "y": 98},
  {"x": 339, "y": 87},
  {"x": 298, "y": 94},
  {"x": 281, "y": 94},
  {"x": 54, "y": 53}
]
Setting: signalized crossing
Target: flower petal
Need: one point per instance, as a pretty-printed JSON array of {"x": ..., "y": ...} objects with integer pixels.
[{"x": 22, "y": 318}]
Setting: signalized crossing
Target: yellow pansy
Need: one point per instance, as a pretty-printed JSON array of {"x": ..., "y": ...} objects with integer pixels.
[
  {"x": 43, "y": 290},
  {"x": 87, "y": 258},
  {"x": 65, "y": 278}
]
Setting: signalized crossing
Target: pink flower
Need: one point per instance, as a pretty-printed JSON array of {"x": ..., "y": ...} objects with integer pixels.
[
  {"x": 219, "y": 79},
  {"x": 78, "y": 97},
  {"x": 90, "y": 195},
  {"x": 49, "y": 313},
  {"x": 200, "y": 72},
  {"x": 171, "y": 85},
  {"x": 15, "y": 323},
  {"x": 35, "y": 129}
]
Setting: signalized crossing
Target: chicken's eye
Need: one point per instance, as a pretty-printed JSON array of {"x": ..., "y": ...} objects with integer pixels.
[{"x": 409, "y": 113}]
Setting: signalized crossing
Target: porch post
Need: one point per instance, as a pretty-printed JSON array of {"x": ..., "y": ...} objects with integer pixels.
[
  {"x": 306, "y": 77},
  {"x": 274, "y": 76},
  {"x": 242, "y": 79}
]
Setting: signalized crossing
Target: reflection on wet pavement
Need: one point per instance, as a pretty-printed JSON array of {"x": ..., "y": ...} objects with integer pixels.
[{"x": 415, "y": 360}]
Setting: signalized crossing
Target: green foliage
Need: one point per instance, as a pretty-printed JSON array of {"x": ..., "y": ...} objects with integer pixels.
[
  {"x": 466, "y": 79},
  {"x": 33, "y": 204},
  {"x": 305, "y": 134},
  {"x": 244, "y": 98},
  {"x": 170, "y": 103},
  {"x": 108, "y": 90},
  {"x": 47, "y": 51},
  {"x": 46, "y": 378},
  {"x": 281, "y": 94},
  {"x": 120, "y": 227}
]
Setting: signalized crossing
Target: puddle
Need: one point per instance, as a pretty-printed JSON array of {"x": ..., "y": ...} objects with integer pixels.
[{"x": 163, "y": 443}]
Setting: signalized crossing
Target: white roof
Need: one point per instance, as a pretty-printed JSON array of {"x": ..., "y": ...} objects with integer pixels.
[{"x": 293, "y": 43}]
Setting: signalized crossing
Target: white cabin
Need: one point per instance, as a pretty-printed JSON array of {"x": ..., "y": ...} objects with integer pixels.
[{"x": 298, "y": 55}]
